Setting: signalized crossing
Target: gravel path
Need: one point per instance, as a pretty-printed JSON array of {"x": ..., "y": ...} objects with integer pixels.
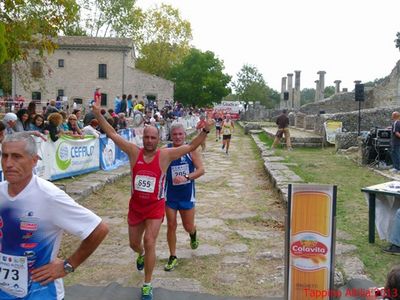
[{"x": 240, "y": 227}]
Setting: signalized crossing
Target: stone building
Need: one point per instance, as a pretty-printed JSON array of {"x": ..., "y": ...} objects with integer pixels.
[{"x": 80, "y": 64}]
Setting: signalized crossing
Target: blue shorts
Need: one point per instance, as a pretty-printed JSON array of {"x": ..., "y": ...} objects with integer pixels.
[{"x": 180, "y": 205}]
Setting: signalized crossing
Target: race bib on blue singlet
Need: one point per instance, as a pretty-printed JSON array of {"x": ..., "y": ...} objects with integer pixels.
[{"x": 180, "y": 170}]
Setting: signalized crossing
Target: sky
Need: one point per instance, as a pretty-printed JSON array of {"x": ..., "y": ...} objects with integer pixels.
[{"x": 348, "y": 39}]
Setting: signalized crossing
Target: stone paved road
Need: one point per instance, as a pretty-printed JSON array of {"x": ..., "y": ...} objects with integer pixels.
[{"x": 240, "y": 226}]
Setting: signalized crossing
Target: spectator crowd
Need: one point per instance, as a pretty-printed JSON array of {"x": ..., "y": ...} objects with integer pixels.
[{"x": 57, "y": 118}]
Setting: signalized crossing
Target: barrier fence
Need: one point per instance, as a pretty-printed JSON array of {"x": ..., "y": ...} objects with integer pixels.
[{"x": 69, "y": 156}]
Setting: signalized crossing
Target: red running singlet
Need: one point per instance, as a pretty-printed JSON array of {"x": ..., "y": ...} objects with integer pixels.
[{"x": 147, "y": 199}]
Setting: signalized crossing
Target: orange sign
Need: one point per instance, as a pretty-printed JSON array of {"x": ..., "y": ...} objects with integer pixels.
[{"x": 310, "y": 241}]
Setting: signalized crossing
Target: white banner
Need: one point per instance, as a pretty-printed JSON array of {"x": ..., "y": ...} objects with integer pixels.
[
  {"x": 70, "y": 156},
  {"x": 331, "y": 129}
]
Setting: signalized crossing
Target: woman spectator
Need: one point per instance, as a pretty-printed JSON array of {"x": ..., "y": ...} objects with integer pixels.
[
  {"x": 54, "y": 121},
  {"x": 23, "y": 120},
  {"x": 122, "y": 121},
  {"x": 73, "y": 126},
  {"x": 38, "y": 124},
  {"x": 64, "y": 125},
  {"x": 31, "y": 110},
  {"x": 78, "y": 114}
]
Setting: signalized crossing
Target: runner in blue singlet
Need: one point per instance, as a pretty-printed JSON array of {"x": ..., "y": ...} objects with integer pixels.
[{"x": 180, "y": 193}]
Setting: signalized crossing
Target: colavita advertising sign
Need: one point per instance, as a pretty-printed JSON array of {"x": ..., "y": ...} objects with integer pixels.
[{"x": 310, "y": 242}]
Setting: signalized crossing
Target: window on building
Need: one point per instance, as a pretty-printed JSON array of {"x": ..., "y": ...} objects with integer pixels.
[
  {"x": 61, "y": 63},
  {"x": 78, "y": 100},
  {"x": 60, "y": 93},
  {"x": 102, "y": 71},
  {"x": 36, "y": 96},
  {"x": 37, "y": 69},
  {"x": 103, "y": 99}
]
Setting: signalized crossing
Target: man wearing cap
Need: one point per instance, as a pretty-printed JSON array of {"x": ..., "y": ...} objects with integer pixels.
[
  {"x": 34, "y": 213},
  {"x": 9, "y": 121}
]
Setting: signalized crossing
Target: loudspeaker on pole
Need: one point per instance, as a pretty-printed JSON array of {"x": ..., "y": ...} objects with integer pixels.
[
  {"x": 359, "y": 92},
  {"x": 285, "y": 95}
]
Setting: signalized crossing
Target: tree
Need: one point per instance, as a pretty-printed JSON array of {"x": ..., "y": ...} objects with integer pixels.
[
  {"x": 231, "y": 97},
  {"x": 5, "y": 78},
  {"x": 32, "y": 25},
  {"x": 3, "y": 48},
  {"x": 199, "y": 80},
  {"x": 27, "y": 32},
  {"x": 106, "y": 17},
  {"x": 161, "y": 39},
  {"x": 251, "y": 86},
  {"x": 329, "y": 91},
  {"x": 307, "y": 96},
  {"x": 159, "y": 58}
]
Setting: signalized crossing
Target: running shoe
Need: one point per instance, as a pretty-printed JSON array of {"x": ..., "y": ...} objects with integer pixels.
[
  {"x": 147, "y": 292},
  {"x": 171, "y": 264},
  {"x": 194, "y": 242},
  {"x": 140, "y": 262}
]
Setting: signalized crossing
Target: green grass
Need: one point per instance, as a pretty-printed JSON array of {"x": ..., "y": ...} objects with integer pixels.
[
  {"x": 325, "y": 167},
  {"x": 265, "y": 139}
]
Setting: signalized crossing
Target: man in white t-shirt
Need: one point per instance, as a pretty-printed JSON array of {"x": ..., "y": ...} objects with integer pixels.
[{"x": 33, "y": 215}]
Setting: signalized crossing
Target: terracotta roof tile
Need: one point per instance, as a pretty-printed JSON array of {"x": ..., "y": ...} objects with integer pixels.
[{"x": 90, "y": 42}]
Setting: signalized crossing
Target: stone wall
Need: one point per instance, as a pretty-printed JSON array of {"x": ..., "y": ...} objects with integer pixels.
[
  {"x": 343, "y": 102},
  {"x": 385, "y": 94},
  {"x": 345, "y": 140},
  {"x": 388, "y": 92},
  {"x": 299, "y": 120},
  {"x": 370, "y": 118}
]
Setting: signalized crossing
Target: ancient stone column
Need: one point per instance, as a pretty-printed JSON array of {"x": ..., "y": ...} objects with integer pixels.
[
  {"x": 283, "y": 103},
  {"x": 316, "y": 90},
  {"x": 321, "y": 84},
  {"x": 297, "y": 92},
  {"x": 290, "y": 90},
  {"x": 337, "y": 86}
]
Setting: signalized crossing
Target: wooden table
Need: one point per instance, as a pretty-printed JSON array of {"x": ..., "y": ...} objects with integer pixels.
[{"x": 391, "y": 188}]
